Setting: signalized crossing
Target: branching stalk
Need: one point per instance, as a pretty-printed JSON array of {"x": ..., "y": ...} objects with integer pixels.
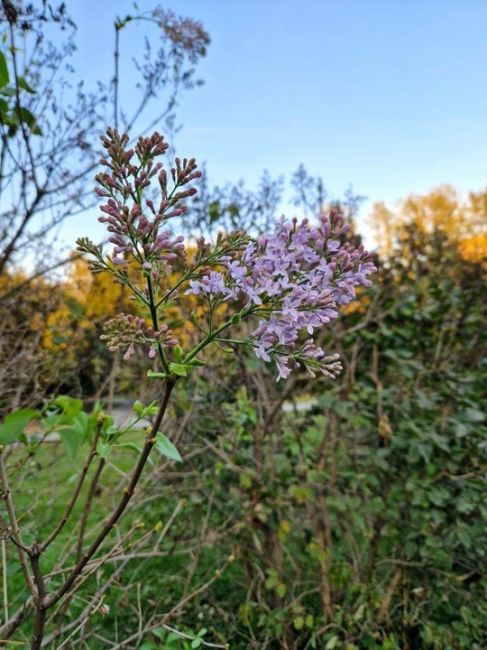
[{"x": 127, "y": 495}]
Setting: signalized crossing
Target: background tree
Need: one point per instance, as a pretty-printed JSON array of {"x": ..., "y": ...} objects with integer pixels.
[
  {"x": 462, "y": 221},
  {"x": 51, "y": 122},
  {"x": 49, "y": 146}
]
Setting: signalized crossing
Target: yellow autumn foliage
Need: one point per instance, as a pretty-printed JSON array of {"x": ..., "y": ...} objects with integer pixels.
[
  {"x": 358, "y": 306},
  {"x": 463, "y": 221},
  {"x": 474, "y": 249}
]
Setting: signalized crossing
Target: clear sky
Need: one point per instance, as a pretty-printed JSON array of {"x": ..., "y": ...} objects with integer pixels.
[{"x": 389, "y": 95}]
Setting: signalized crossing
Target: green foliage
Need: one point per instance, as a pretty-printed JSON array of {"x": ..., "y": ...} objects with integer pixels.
[
  {"x": 361, "y": 522},
  {"x": 13, "y": 425},
  {"x": 4, "y": 75},
  {"x": 356, "y": 522},
  {"x": 12, "y": 113}
]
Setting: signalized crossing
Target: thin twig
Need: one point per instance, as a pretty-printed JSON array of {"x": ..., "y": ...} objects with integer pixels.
[
  {"x": 80, "y": 625},
  {"x": 69, "y": 508},
  {"x": 87, "y": 509},
  {"x": 5, "y": 582},
  {"x": 15, "y": 532},
  {"x": 184, "y": 601}
]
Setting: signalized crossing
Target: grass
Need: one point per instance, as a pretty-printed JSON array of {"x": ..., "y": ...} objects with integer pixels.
[{"x": 41, "y": 487}]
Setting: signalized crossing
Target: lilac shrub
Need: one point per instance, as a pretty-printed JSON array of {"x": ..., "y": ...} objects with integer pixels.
[{"x": 289, "y": 282}]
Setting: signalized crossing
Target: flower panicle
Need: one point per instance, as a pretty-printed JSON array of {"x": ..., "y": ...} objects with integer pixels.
[
  {"x": 85, "y": 245},
  {"x": 294, "y": 278},
  {"x": 133, "y": 219},
  {"x": 125, "y": 331}
]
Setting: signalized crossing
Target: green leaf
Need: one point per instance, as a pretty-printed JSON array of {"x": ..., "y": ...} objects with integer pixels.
[
  {"x": 172, "y": 637},
  {"x": 127, "y": 445},
  {"x": 75, "y": 429},
  {"x": 298, "y": 623},
  {"x": 214, "y": 211},
  {"x": 159, "y": 633},
  {"x": 246, "y": 480},
  {"x": 14, "y": 424},
  {"x": 144, "y": 411},
  {"x": 72, "y": 440},
  {"x": 107, "y": 426},
  {"x": 165, "y": 447},
  {"x": 4, "y": 76},
  {"x": 4, "y": 108},
  {"x": 152, "y": 409},
  {"x": 473, "y": 415},
  {"x": 178, "y": 352},
  {"x": 271, "y": 580},
  {"x": 461, "y": 430},
  {"x": 464, "y": 537},
  {"x": 310, "y": 621},
  {"x": 281, "y": 590},
  {"x": 70, "y": 405},
  {"x": 178, "y": 369},
  {"x": 359, "y": 614},
  {"x": 103, "y": 449},
  {"x": 7, "y": 92},
  {"x": 196, "y": 362},
  {"x": 25, "y": 86},
  {"x": 112, "y": 431},
  {"x": 156, "y": 375},
  {"x": 28, "y": 118}
]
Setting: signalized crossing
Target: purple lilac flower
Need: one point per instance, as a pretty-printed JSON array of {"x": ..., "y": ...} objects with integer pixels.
[
  {"x": 211, "y": 284},
  {"x": 294, "y": 278}
]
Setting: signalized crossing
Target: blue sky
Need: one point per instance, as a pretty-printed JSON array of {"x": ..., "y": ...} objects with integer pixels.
[{"x": 388, "y": 95}]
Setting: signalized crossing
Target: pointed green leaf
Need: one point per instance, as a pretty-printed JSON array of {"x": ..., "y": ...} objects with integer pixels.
[
  {"x": 72, "y": 440},
  {"x": 7, "y": 92},
  {"x": 103, "y": 449},
  {"x": 178, "y": 352},
  {"x": 156, "y": 375},
  {"x": 128, "y": 445},
  {"x": 25, "y": 86},
  {"x": 3, "y": 108},
  {"x": 70, "y": 405},
  {"x": 14, "y": 424},
  {"x": 196, "y": 362},
  {"x": 4, "y": 76},
  {"x": 165, "y": 447},
  {"x": 178, "y": 369}
]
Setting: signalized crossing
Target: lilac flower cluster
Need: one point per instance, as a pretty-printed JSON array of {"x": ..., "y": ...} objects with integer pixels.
[
  {"x": 135, "y": 234},
  {"x": 155, "y": 244},
  {"x": 293, "y": 280},
  {"x": 125, "y": 331}
]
